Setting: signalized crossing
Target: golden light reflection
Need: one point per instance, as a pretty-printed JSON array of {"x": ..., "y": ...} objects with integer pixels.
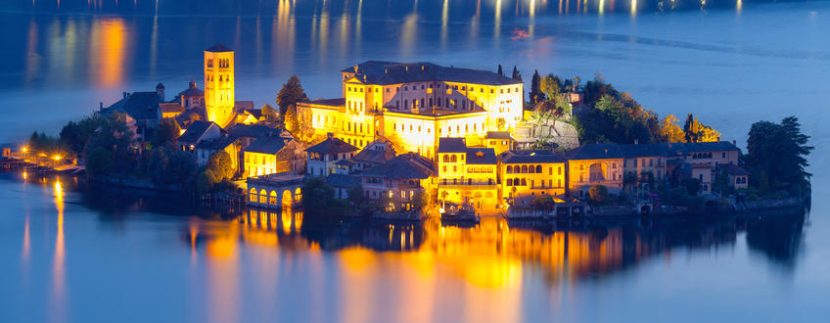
[
  {"x": 110, "y": 41},
  {"x": 58, "y": 270}
]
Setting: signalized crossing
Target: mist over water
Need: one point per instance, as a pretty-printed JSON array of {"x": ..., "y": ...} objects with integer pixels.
[{"x": 79, "y": 255}]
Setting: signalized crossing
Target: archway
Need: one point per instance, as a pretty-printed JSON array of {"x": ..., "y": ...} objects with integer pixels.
[
  {"x": 263, "y": 197},
  {"x": 253, "y": 197},
  {"x": 272, "y": 198},
  {"x": 287, "y": 199},
  {"x": 298, "y": 195}
]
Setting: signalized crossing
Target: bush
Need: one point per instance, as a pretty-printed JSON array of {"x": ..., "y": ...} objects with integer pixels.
[{"x": 598, "y": 194}]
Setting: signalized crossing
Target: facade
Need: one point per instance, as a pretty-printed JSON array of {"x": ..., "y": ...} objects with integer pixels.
[
  {"x": 467, "y": 176},
  {"x": 261, "y": 157},
  {"x": 219, "y": 85},
  {"x": 322, "y": 157},
  {"x": 197, "y": 132},
  {"x": 526, "y": 175},
  {"x": 206, "y": 149},
  {"x": 400, "y": 183},
  {"x": 416, "y": 104},
  {"x": 596, "y": 164}
]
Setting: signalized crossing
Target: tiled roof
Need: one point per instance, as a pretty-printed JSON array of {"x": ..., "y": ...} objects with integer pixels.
[
  {"x": 195, "y": 131},
  {"x": 409, "y": 165},
  {"x": 596, "y": 151},
  {"x": 266, "y": 145},
  {"x": 374, "y": 156},
  {"x": 645, "y": 150},
  {"x": 332, "y": 145},
  {"x": 499, "y": 135},
  {"x": 705, "y": 146},
  {"x": 377, "y": 72},
  {"x": 734, "y": 170},
  {"x": 341, "y": 180},
  {"x": 535, "y": 156},
  {"x": 218, "y": 48},
  {"x": 139, "y": 105},
  {"x": 481, "y": 156},
  {"x": 216, "y": 144},
  {"x": 338, "y": 102},
  {"x": 452, "y": 145}
]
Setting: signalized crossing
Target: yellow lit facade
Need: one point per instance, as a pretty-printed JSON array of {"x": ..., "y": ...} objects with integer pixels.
[
  {"x": 528, "y": 175},
  {"x": 258, "y": 164},
  {"x": 416, "y": 104},
  {"x": 219, "y": 85}
]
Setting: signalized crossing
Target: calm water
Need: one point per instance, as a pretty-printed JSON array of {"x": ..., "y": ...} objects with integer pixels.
[{"x": 78, "y": 255}]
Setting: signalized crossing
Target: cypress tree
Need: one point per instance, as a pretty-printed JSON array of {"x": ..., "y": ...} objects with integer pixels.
[{"x": 535, "y": 90}]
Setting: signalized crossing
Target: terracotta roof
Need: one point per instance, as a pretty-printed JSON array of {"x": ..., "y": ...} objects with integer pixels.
[
  {"x": 481, "y": 156},
  {"x": 344, "y": 181},
  {"x": 266, "y": 145},
  {"x": 378, "y": 72},
  {"x": 452, "y": 145},
  {"x": 406, "y": 166},
  {"x": 596, "y": 151},
  {"x": 332, "y": 145},
  {"x": 195, "y": 131},
  {"x": 338, "y": 102},
  {"x": 252, "y": 131},
  {"x": 216, "y": 144},
  {"x": 139, "y": 105},
  {"x": 499, "y": 135}
]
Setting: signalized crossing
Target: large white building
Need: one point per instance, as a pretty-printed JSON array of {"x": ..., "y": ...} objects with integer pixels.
[{"x": 415, "y": 104}]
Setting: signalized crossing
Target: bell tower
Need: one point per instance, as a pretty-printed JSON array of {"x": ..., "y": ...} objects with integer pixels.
[{"x": 219, "y": 85}]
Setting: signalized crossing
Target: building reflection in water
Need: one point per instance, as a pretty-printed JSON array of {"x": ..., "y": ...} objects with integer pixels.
[{"x": 496, "y": 253}]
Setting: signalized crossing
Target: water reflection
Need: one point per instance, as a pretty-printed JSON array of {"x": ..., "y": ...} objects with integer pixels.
[
  {"x": 495, "y": 253},
  {"x": 58, "y": 308}
]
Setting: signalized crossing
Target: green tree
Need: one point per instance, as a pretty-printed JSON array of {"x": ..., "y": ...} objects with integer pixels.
[
  {"x": 551, "y": 86},
  {"x": 112, "y": 141},
  {"x": 221, "y": 166},
  {"x": 536, "y": 94},
  {"x": 205, "y": 181},
  {"x": 777, "y": 156},
  {"x": 695, "y": 131},
  {"x": 181, "y": 168},
  {"x": 166, "y": 133},
  {"x": 75, "y": 135},
  {"x": 543, "y": 202},
  {"x": 500, "y": 71},
  {"x": 319, "y": 202},
  {"x": 516, "y": 74},
  {"x": 290, "y": 94}
]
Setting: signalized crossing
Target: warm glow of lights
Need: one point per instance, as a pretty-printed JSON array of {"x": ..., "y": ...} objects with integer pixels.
[
  {"x": 58, "y": 270},
  {"x": 112, "y": 47}
]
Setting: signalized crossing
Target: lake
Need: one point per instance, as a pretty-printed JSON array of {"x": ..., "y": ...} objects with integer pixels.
[{"x": 71, "y": 253}]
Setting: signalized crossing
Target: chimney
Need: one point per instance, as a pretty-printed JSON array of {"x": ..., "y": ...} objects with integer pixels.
[
  {"x": 355, "y": 68},
  {"x": 329, "y": 135},
  {"x": 100, "y": 105},
  {"x": 124, "y": 94},
  {"x": 734, "y": 142},
  {"x": 191, "y": 85}
]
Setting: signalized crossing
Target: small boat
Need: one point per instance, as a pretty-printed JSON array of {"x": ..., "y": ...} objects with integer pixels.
[{"x": 460, "y": 216}]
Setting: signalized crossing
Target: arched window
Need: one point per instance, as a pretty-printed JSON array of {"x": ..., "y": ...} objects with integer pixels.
[
  {"x": 524, "y": 169},
  {"x": 509, "y": 182},
  {"x": 453, "y": 159},
  {"x": 524, "y": 182},
  {"x": 253, "y": 197},
  {"x": 446, "y": 158},
  {"x": 538, "y": 168},
  {"x": 509, "y": 171}
]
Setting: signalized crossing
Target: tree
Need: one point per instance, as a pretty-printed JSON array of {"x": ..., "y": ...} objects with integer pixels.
[
  {"x": 551, "y": 86},
  {"x": 500, "y": 71},
  {"x": 695, "y": 131},
  {"x": 598, "y": 194},
  {"x": 166, "y": 133},
  {"x": 670, "y": 131},
  {"x": 536, "y": 94},
  {"x": 290, "y": 94},
  {"x": 292, "y": 124},
  {"x": 692, "y": 185},
  {"x": 221, "y": 166},
  {"x": 543, "y": 202},
  {"x": 205, "y": 181},
  {"x": 776, "y": 156},
  {"x": 112, "y": 141},
  {"x": 181, "y": 168},
  {"x": 269, "y": 112},
  {"x": 319, "y": 202},
  {"x": 75, "y": 135},
  {"x": 516, "y": 74}
]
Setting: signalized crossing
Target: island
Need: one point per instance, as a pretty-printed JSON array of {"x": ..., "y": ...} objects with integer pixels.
[{"x": 406, "y": 141}]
